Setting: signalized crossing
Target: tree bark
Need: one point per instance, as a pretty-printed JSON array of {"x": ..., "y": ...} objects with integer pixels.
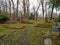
[
  {"x": 0, "y": 10},
  {"x": 52, "y": 12},
  {"x": 28, "y": 8},
  {"x": 13, "y": 17},
  {"x": 10, "y": 10},
  {"x": 42, "y": 3},
  {"x": 37, "y": 11},
  {"x": 36, "y": 14},
  {"x": 6, "y": 7},
  {"x": 17, "y": 10},
  {"x": 46, "y": 18},
  {"x": 43, "y": 10},
  {"x": 24, "y": 7}
]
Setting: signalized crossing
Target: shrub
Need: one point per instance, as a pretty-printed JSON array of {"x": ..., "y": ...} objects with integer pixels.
[
  {"x": 3, "y": 18},
  {"x": 32, "y": 16},
  {"x": 59, "y": 18}
]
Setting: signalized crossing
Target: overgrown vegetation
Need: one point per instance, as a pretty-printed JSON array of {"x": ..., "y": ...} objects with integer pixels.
[
  {"x": 3, "y": 18},
  {"x": 28, "y": 22},
  {"x": 31, "y": 16},
  {"x": 33, "y": 34}
]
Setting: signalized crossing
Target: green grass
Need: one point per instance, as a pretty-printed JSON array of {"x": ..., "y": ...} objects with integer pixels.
[
  {"x": 34, "y": 34},
  {"x": 14, "y": 26},
  {"x": 5, "y": 31}
]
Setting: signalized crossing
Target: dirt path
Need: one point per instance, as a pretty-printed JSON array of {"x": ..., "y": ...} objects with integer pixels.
[{"x": 23, "y": 39}]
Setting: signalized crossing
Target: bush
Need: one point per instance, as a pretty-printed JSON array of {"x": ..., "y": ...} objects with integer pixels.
[
  {"x": 59, "y": 18},
  {"x": 3, "y": 18},
  {"x": 32, "y": 16}
]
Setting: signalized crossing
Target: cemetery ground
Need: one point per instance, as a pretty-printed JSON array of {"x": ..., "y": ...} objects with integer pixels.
[{"x": 26, "y": 33}]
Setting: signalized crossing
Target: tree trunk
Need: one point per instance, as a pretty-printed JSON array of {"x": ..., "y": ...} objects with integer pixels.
[
  {"x": 3, "y": 8},
  {"x": 27, "y": 8},
  {"x": 42, "y": 3},
  {"x": 24, "y": 7},
  {"x": 17, "y": 11},
  {"x": 43, "y": 10},
  {"x": 10, "y": 10},
  {"x": 46, "y": 18},
  {"x": 36, "y": 15},
  {"x": 52, "y": 12},
  {"x": 13, "y": 17},
  {"x": 56, "y": 13},
  {"x": 6, "y": 7},
  {"x": 25, "y": 17},
  {"x": 13, "y": 13},
  {"x": 0, "y": 10},
  {"x": 37, "y": 11}
]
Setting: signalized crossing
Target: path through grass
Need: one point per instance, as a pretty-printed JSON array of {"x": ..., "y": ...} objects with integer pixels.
[{"x": 30, "y": 35}]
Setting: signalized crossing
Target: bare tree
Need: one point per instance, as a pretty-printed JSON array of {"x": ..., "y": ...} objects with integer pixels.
[
  {"x": 24, "y": 7},
  {"x": 28, "y": 4},
  {"x": 42, "y": 3},
  {"x": 17, "y": 10},
  {"x": 0, "y": 6},
  {"x": 46, "y": 11},
  {"x": 24, "y": 17},
  {"x": 35, "y": 9},
  {"x": 0, "y": 10},
  {"x": 13, "y": 7},
  {"x": 36, "y": 12},
  {"x": 6, "y": 7},
  {"x": 3, "y": 6},
  {"x": 10, "y": 9}
]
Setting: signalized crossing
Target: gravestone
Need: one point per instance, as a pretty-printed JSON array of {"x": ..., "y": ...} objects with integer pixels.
[
  {"x": 56, "y": 38},
  {"x": 55, "y": 31},
  {"x": 48, "y": 41},
  {"x": 59, "y": 29},
  {"x": 58, "y": 24}
]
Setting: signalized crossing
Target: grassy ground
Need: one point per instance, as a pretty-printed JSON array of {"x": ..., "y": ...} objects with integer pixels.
[
  {"x": 29, "y": 34},
  {"x": 4, "y": 31}
]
